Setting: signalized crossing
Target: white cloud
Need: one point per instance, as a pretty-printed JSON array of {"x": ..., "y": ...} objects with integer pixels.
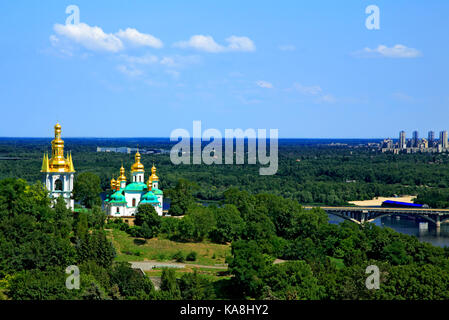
[
  {"x": 137, "y": 38},
  {"x": 240, "y": 44},
  {"x": 397, "y": 51},
  {"x": 95, "y": 39},
  {"x": 287, "y": 47},
  {"x": 307, "y": 90},
  {"x": 129, "y": 71},
  {"x": 208, "y": 44},
  {"x": 264, "y": 84},
  {"x": 202, "y": 43},
  {"x": 92, "y": 38}
]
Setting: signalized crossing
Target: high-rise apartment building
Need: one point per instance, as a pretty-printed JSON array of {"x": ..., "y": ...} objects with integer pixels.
[
  {"x": 443, "y": 139},
  {"x": 415, "y": 139},
  {"x": 402, "y": 142}
]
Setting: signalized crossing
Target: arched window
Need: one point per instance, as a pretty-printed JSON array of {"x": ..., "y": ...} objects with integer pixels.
[
  {"x": 58, "y": 185},
  {"x": 134, "y": 202},
  {"x": 140, "y": 178},
  {"x": 118, "y": 210}
]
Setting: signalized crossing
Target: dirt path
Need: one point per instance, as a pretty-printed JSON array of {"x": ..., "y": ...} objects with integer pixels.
[{"x": 150, "y": 264}]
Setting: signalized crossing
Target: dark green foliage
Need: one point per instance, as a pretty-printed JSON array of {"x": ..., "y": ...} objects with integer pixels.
[
  {"x": 148, "y": 221},
  {"x": 169, "y": 285},
  {"x": 396, "y": 254},
  {"x": 435, "y": 198},
  {"x": 193, "y": 286},
  {"x": 181, "y": 197},
  {"x": 291, "y": 281},
  {"x": 95, "y": 247},
  {"x": 131, "y": 283},
  {"x": 86, "y": 189},
  {"x": 229, "y": 224},
  {"x": 191, "y": 256},
  {"x": 179, "y": 256},
  {"x": 248, "y": 264},
  {"x": 41, "y": 285}
]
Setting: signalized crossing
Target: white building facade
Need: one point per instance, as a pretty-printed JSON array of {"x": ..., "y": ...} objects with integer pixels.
[
  {"x": 125, "y": 198},
  {"x": 58, "y": 171}
]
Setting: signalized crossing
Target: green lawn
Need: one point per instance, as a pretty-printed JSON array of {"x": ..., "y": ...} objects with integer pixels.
[{"x": 135, "y": 249}]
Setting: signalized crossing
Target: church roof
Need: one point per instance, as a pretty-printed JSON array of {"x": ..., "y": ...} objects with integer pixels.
[
  {"x": 135, "y": 187},
  {"x": 118, "y": 197},
  {"x": 157, "y": 191}
]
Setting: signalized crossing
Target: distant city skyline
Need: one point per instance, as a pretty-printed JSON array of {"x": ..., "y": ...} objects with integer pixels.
[{"x": 143, "y": 69}]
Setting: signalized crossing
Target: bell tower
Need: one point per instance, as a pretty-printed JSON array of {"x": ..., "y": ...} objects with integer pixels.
[
  {"x": 58, "y": 171},
  {"x": 137, "y": 169}
]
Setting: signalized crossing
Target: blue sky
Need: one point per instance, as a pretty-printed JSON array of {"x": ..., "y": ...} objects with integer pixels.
[{"x": 144, "y": 68}]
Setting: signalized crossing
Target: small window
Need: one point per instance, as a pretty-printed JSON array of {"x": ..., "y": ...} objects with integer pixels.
[
  {"x": 134, "y": 202},
  {"x": 58, "y": 185},
  {"x": 118, "y": 210}
]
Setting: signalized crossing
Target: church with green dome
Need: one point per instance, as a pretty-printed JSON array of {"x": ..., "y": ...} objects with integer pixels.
[{"x": 125, "y": 197}]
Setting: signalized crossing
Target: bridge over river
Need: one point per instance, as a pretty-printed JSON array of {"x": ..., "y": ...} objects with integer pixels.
[{"x": 361, "y": 215}]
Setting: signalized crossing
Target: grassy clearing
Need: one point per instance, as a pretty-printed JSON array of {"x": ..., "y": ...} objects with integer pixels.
[{"x": 136, "y": 249}]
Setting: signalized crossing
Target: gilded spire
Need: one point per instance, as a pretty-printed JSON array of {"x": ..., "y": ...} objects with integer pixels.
[
  {"x": 113, "y": 184},
  {"x": 122, "y": 176},
  {"x": 57, "y": 162},
  {"x": 137, "y": 166},
  {"x": 72, "y": 168},
  {"x": 45, "y": 167},
  {"x": 154, "y": 177}
]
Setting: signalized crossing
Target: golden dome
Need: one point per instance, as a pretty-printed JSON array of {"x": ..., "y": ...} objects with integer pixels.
[
  {"x": 153, "y": 176},
  {"x": 137, "y": 166},
  {"x": 113, "y": 184},
  {"x": 122, "y": 176},
  {"x": 57, "y": 162}
]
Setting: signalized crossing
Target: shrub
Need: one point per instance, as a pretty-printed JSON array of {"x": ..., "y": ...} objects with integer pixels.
[
  {"x": 179, "y": 256},
  {"x": 191, "y": 256}
]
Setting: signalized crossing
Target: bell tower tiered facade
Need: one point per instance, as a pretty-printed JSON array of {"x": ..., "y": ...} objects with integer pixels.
[{"x": 58, "y": 171}]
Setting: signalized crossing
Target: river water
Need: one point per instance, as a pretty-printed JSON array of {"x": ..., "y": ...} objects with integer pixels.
[{"x": 422, "y": 230}]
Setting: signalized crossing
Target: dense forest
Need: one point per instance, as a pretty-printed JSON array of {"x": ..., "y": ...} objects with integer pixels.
[
  {"x": 279, "y": 252},
  {"x": 278, "y": 249},
  {"x": 308, "y": 173}
]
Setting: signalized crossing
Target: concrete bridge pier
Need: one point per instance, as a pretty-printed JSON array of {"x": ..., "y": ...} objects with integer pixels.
[
  {"x": 437, "y": 221},
  {"x": 438, "y": 225},
  {"x": 363, "y": 216}
]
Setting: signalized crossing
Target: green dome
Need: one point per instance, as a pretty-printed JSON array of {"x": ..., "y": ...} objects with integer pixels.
[
  {"x": 157, "y": 191},
  {"x": 136, "y": 187},
  {"x": 118, "y": 197},
  {"x": 149, "y": 196}
]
